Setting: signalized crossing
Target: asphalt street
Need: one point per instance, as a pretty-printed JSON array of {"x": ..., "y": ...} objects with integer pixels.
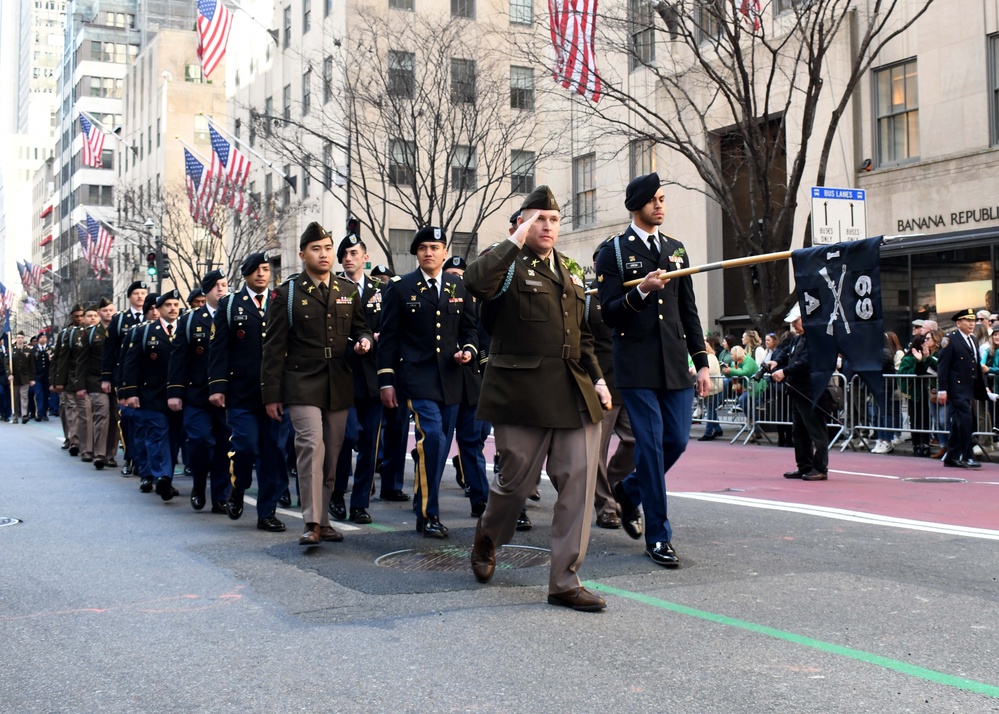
[{"x": 114, "y": 601}]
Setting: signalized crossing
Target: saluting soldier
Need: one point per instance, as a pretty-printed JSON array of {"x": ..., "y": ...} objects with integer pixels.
[
  {"x": 365, "y": 416},
  {"x": 144, "y": 386},
  {"x": 427, "y": 334},
  {"x": 59, "y": 374},
  {"x": 22, "y": 377},
  {"x": 111, "y": 367},
  {"x": 234, "y": 385},
  {"x": 205, "y": 430},
  {"x": 539, "y": 392},
  {"x": 312, "y": 323},
  {"x": 961, "y": 381}
]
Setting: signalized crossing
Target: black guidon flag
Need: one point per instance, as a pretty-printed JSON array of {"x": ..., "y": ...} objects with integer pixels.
[{"x": 839, "y": 293}]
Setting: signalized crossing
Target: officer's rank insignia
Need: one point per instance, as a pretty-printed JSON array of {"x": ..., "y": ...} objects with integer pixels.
[
  {"x": 335, "y": 286},
  {"x": 531, "y": 273},
  {"x": 535, "y": 262},
  {"x": 412, "y": 297},
  {"x": 423, "y": 288},
  {"x": 631, "y": 257},
  {"x": 199, "y": 329},
  {"x": 600, "y": 278},
  {"x": 304, "y": 302}
]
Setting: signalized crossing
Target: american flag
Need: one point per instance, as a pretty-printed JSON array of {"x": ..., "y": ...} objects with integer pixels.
[
  {"x": 100, "y": 244},
  {"x": 7, "y": 298},
  {"x": 573, "y": 24},
  {"x": 34, "y": 272},
  {"x": 25, "y": 275},
  {"x": 231, "y": 168},
  {"x": 751, "y": 9},
  {"x": 200, "y": 196},
  {"x": 93, "y": 143},
  {"x": 214, "y": 23}
]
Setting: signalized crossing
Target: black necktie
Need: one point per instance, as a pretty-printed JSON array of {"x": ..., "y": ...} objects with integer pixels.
[
  {"x": 971, "y": 344},
  {"x": 170, "y": 331},
  {"x": 324, "y": 291},
  {"x": 433, "y": 286},
  {"x": 654, "y": 246}
]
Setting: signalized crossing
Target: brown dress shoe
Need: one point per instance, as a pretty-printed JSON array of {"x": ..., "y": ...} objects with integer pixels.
[
  {"x": 331, "y": 534},
  {"x": 814, "y": 475},
  {"x": 310, "y": 536},
  {"x": 578, "y": 599},
  {"x": 608, "y": 520},
  {"x": 483, "y": 555}
]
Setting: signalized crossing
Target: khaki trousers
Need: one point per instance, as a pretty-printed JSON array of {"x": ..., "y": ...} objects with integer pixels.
[
  {"x": 622, "y": 463},
  {"x": 23, "y": 391},
  {"x": 84, "y": 425},
  {"x": 572, "y": 468},
  {"x": 100, "y": 409},
  {"x": 67, "y": 411},
  {"x": 318, "y": 438}
]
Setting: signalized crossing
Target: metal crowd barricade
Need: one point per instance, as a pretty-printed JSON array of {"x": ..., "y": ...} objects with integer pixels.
[
  {"x": 722, "y": 409},
  {"x": 773, "y": 409}
]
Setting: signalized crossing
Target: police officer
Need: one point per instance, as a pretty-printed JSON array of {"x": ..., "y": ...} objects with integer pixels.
[
  {"x": 111, "y": 367},
  {"x": 312, "y": 323},
  {"x": 43, "y": 361},
  {"x": 22, "y": 377},
  {"x": 234, "y": 385},
  {"x": 961, "y": 381},
  {"x": 364, "y": 418},
  {"x": 205, "y": 430},
  {"x": 427, "y": 333},
  {"x": 59, "y": 374},
  {"x": 655, "y": 327}
]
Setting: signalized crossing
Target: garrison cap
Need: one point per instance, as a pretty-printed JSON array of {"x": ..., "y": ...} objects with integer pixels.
[
  {"x": 541, "y": 198},
  {"x": 103, "y": 302},
  {"x": 194, "y": 295},
  {"x": 427, "y": 234},
  {"x": 641, "y": 190},
  {"x": 348, "y": 241},
  {"x": 171, "y": 295},
  {"x": 137, "y": 285},
  {"x": 456, "y": 262},
  {"x": 76, "y": 308},
  {"x": 968, "y": 314},
  {"x": 382, "y": 271},
  {"x": 91, "y": 308},
  {"x": 209, "y": 282},
  {"x": 312, "y": 233},
  {"x": 252, "y": 262},
  {"x": 149, "y": 303}
]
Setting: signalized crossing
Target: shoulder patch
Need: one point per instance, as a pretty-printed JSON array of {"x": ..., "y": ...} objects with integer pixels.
[
  {"x": 945, "y": 341},
  {"x": 396, "y": 278}
]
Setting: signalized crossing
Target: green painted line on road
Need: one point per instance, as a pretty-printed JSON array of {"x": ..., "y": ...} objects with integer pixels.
[
  {"x": 383, "y": 529},
  {"x": 929, "y": 675}
]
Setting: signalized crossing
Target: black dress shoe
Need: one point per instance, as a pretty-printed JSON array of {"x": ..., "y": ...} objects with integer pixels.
[
  {"x": 111, "y": 463},
  {"x": 815, "y": 475},
  {"x": 99, "y": 463},
  {"x": 218, "y": 507},
  {"x": 955, "y": 464},
  {"x": 483, "y": 555},
  {"x": 146, "y": 484},
  {"x": 459, "y": 477},
  {"x": 579, "y": 599},
  {"x": 797, "y": 473},
  {"x": 234, "y": 506},
  {"x": 187, "y": 471},
  {"x": 523, "y": 522},
  {"x": 74, "y": 450},
  {"x": 706, "y": 437},
  {"x": 285, "y": 500},
  {"x": 165, "y": 489},
  {"x": 663, "y": 554},
  {"x": 431, "y": 527},
  {"x": 65, "y": 445},
  {"x": 45, "y": 418},
  {"x": 972, "y": 464},
  {"x": 338, "y": 510},
  {"x": 608, "y": 520},
  {"x": 87, "y": 458},
  {"x": 535, "y": 496},
  {"x": 478, "y": 508},
  {"x": 126, "y": 469},
  {"x": 270, "y": 524},
  {"x": 395, "y": 495},
  {"x": 631, "y": 517},
  {"x": 359, "y": 515},
  {"x": 198, "y": 499}
]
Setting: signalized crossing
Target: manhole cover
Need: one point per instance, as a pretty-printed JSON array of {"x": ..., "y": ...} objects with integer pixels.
[
  {"x": 4, "y": 521},
  {"x": 454, "y": 559},
  {"x": 935, "y": 479}
]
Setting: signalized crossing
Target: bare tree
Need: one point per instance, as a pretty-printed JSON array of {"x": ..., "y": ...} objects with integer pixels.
[
  {"x": 429, "y": 118},
  {"x": 742, "y": 98}
]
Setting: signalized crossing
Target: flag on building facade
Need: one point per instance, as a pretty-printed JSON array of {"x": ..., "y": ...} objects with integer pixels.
[
  {"x": 231, "y": 169},
  {"x": 839, "y": 293},
  {"x": 100, "y": 244},
  {"x": 7, "y": 300},
  {"x": 573, "y": 24},
  {"x": 25, "y": 276},
  {"x": 93, "y": 143},
  {"x": 200, "y": 190},
  {"x": 87, "y": 248},
  {"x": 214, "y": 23},
  {"x": 752, "y": 11}
]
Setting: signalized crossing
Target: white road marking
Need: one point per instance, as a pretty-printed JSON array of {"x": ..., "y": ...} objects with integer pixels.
[{"x": 298, "y": 514}]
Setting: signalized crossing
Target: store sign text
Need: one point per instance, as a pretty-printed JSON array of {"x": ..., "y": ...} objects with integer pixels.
[{"x": 957, "y": 218}]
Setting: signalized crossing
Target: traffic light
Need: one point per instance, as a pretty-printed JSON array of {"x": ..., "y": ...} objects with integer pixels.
[
  {"x": 353, "y": 227},
  {"x": 151, "y": 264},
  {"x": 164, "y": 266}
]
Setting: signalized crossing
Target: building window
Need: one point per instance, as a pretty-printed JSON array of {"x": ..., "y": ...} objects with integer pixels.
[
  {"x": 897, "y": 105},
  {"x": 522, "y": 88},
  {"x": 402, "y": 162},
  {"x": 641, "y": 157},
  {"x": 268, "y": 115},
  {"x": 192, "y": 73},
  {"x": 149, "y": 141},
  {"x": 286, "y": 191},
  {"x": 327, "y": 8},
  {"x": 252, "y": 130},
  {"x": 328, "y": 165},
  {"x": 709, "y": 20},
  {"x": 402, "y": 77},
  {"x": 200, "y": 127},
  {"x": 522, "y": 12},
  {"x": 522, "y": 171},
  {"x": 785, "y": 5},
  {"x": 236, "y": 127},
  {"x": 158, "y": 131},
  {"x": 401, "y": 4},
  {"x": 462, "y": 81},
  {"x": 463, "y": 8},
  {"x": 306, "y": 15},
  {"x": 399, "y": 240},
  {"x": 463, "y": 167},
  {"x": 306, "y": 176},
  {"x": 306, "y": 91},
  {"x": 286, "y": 95},
  {"x": 327, "y": 79},
  {"x": 994, "y": 82},
  {"x": 287, "y": 27},
  {"x": 585, "y": 209},
  {"x": 643, "y": 33},
  {"x": 269, "y": 192}
]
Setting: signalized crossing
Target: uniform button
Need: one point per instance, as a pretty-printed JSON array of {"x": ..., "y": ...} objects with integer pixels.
[
  {"x": 438, "y": 337},
  {"x": 328, "y": 315},
  {"x": 438, "y": 324},
  {"x": 660, "y": 301},
  {"x": 660, "y": 317},
  {"x": 330, "y": 327},
  {"x": 567, "y": 332},
  {"x": 438, "y": 312},
  {"x": 438, "y": 349},
  {"x": 564, "y": 296},
  {"x": 567, "y": 314},
  {"x": 534, "y": 289}
]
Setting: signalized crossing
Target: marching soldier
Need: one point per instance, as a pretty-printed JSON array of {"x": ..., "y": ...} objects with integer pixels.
[
  {"x": 58, "y": 376},
  {"x": 205, "y": 430},
  {"x": 427, "y": 333},
  {"x": 543, "y": 392},
  {"x": 196, "y": 299},
  {"x": 22, "y": 377},
  {"x": 77, "y": 386},
  {"x": 103, "y": 443},
  {"x": 43, "y": 361},
  {"x": 234, "y": 385},
  {"x": 111, "y": 367},
  {"x": 313, "y": 321}
]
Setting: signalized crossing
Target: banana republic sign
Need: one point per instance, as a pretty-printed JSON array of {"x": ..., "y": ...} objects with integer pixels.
[{"x": 988, "y": 214}]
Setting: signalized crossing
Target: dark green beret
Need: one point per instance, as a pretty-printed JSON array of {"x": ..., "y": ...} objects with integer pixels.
[
  {"x": 172, "y": 295},
  {"x": 542, "y": 198},
  {"x": 348, "y": 241},
  {"x": 641, "y": 190},
  {"x": 209, "y": 282},
  {"x": 252, "y": 262},
  {"x": 149, "y": 303},
  {"x": 137, "y": 285}
]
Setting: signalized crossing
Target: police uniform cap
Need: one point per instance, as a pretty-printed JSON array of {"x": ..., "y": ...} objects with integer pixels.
[
  {"x": 382, "y": 271},
  {"x": 252, "y": 262},
  {"x": 102, "y": 303},
  {"x": 348, "y": 241},
  {"x": 172, "y": 295},
  {"x": 541, "y": 198},
  {"x": 311, "y": 234},
  {"x": 641, "y": 190},
  {"x": 149, "y": 303},
  {"x": 514, "y": 217},
  {"x": 209, "y": 282},
  {"x": 194, "y": 295},
  {"x": 137, "y": 285},
  {"x": 456, "y": 262},
  {"x": 968, "y": 314},
  {"x": 427, "y": 234}
]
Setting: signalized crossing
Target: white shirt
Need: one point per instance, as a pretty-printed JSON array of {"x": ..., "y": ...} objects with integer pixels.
[
  {"x": 645, "y": 237},
  {"x": 438, "y": 278}
]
